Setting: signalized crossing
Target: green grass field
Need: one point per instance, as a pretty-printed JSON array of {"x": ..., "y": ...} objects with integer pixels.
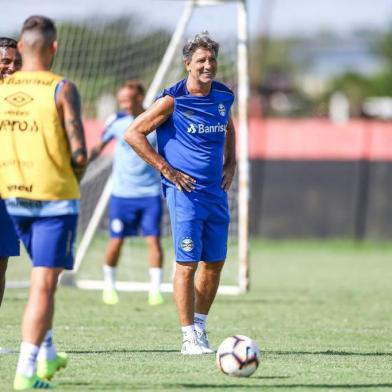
[{"x": 320, "y": 311}]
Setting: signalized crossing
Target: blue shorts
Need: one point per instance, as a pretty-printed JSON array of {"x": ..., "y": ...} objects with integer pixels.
[
  {"x": 49, "y": 241},
  {"x": 9, "y": 242},
  {"x": 128, "y": 216},
  {"x": 199, "y": 227}
]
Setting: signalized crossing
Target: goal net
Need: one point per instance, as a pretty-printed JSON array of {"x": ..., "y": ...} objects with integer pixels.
[{"x": 99, "y": 56}]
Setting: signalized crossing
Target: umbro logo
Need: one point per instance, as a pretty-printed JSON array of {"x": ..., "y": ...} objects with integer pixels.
[{"x": 18, "y": 99}]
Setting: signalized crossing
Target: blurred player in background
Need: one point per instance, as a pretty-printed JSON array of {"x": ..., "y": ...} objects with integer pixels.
[
  {"x": 42, "y": 159},
  {"x": 196, "y": 145},
  {"x": 10, "y": 62},
  {"x": 136, "y": 202}
]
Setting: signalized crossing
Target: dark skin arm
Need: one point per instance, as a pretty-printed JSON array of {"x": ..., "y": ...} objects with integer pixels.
[
  {"x": 136, "y": 137},
  {"x": 230, "y": 156},
  {"x": 96, "y": 150},
  {"x": 69, "y": 109}
]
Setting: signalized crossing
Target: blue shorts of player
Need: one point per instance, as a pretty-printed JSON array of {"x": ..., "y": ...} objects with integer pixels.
[
  {"x": 199, "y": 227},
  {"x": 48, "y": 240},
  {"x": 129, "y": 215},
  {"x": 9, "y": 242}
]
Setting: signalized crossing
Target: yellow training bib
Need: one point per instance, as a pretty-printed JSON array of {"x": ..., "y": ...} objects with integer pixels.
[{"x": 35, "y": 159}]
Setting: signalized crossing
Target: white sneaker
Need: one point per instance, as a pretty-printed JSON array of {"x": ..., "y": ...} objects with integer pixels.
[
  {"x": 202, "y": 339},
  {"x": 191, "y": 347}
]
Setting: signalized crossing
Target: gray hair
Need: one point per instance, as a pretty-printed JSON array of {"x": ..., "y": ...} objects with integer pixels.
[{"x": 201, "y": 40}]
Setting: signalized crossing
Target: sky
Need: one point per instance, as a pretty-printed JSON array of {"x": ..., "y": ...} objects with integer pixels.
[{"x": 278, "y": 17}]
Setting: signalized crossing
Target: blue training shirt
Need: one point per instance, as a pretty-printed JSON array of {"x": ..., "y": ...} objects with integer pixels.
[
  {"x": 132, "y": 177},
  {"x": 192, "y": 139}
]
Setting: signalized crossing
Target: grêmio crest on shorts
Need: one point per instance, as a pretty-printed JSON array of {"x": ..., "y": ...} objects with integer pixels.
[{"x": 192, "y": 139}]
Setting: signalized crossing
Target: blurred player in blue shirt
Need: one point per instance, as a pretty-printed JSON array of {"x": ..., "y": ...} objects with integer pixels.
[
  {"x": 135, "y": 205},
  {"x": 196, "y": 158}
]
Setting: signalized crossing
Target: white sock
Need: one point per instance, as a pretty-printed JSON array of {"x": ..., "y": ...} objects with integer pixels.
[
  {"x": 47, "y": 349},
  {"x": 109, "y": 275},
  {"x": 27, "y": 359},
  {"x": 200, "y": 321},
  {"x": 156, "y": 275},
  {"x": 188, "y": 332}
]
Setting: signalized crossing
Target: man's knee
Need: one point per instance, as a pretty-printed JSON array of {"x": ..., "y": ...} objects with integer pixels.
[
  {"x": 153, "y": 243},
  {"x": 212, "y": 266},
  {"x": 45, "y": 280},
  {"x": 116, "y": 243},
  {"x": 186, "y": 268}
]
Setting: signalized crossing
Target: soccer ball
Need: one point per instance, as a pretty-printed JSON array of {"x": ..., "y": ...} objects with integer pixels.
[{"x": 238, "y": 356}]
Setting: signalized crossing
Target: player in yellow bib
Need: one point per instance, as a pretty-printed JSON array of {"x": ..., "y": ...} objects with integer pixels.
[{"x": 42, "y": 159}]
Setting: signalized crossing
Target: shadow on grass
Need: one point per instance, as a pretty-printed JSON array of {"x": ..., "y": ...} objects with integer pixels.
[
  {"x": 330, "y": 352},
  {"x": 277, "y": 301},
  {"x": 279, "y": 386},
  {"x": 268, "y": 377},
  {"x": 247, "y": 385},
  {"x": 123, "y": 351}
]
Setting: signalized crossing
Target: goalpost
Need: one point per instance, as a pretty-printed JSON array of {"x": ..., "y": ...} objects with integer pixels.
[{"x": 239, "y": 195}]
